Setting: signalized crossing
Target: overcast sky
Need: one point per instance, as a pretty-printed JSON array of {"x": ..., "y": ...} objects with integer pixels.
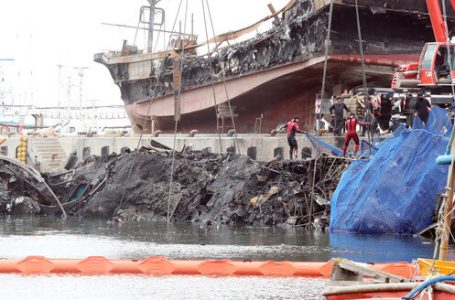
[{"x": 39, "y": 35}]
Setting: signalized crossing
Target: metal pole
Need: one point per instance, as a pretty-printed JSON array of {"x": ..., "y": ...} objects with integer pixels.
[
  {"x": 146, "y": 28},
  {"x": 81, "y": 78},
  {"x": 324, "y": 75},
  {"x": 362, "y": 57},
  {"x": 68, "y": 98},
  {"x": 151, "y": 25},
  {"x": 80, "y": 73},
  {"x": 68, "y": 93},
  {"x": 59, "y": 85}
]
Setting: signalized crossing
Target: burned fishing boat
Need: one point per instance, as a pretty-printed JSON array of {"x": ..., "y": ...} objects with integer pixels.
[
  {"x": 276, "y": 73},
  {"x": 24, "y": 190}
]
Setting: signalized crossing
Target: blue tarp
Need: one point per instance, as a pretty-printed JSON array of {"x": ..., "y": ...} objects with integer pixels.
[
  {"x": 322, "y": 146},
  {"x": 395, "y": 191},
  {"x": 367, "y": 148}
]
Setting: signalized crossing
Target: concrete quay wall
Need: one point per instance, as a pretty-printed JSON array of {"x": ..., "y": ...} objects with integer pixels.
[{"x": 263, "y": 147}]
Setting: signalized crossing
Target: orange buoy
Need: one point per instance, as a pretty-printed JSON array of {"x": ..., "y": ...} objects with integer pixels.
[
  {"x": 158, "y": 266},
  {"x": 98, "y": 265}
]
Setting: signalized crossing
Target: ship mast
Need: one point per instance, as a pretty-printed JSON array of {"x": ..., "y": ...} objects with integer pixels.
[{"x": 153, "y": 4}]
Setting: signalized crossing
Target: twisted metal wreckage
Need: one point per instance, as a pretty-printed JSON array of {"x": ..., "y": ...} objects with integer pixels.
[{"x": 208, "y": 188}]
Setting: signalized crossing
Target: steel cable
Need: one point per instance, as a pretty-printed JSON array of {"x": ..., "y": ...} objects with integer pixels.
[
  {"x": 171, "y": 179},
  {"x": 327, "y": 43},
  {"x": 211, "y": 75},
  {"x": 223, "y": 75},
  {"x": 364, "y": 77},
  {"x": 145, "y": 120}
]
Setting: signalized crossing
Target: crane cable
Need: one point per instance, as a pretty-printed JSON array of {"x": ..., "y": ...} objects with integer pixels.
[
  {"x": 223, "y": 75},
  {"x": 171, "y": 179},
  {"x": 364, "y": 78},
  {"x": 211, "y": 75},
  {"x": 122, "y": 202}
]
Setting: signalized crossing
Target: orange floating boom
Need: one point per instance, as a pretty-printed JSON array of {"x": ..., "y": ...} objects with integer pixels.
[{"x": 157, "y": 265}]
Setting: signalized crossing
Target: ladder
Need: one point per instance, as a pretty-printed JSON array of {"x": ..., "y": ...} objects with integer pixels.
[{"x": 223, "y": 117}]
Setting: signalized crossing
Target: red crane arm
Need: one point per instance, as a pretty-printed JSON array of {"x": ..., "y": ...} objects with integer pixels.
[{"x": 437, "y": 21}]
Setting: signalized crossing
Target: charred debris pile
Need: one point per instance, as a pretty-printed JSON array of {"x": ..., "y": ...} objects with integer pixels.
[
  {"x": 291, "y": 39},
  {"x": 207, "y": 188}
]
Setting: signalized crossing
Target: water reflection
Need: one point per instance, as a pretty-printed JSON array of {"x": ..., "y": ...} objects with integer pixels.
[
  {"x": 384, "y": 248},
  {"x": 80, "y": 238},
  {"x": 172, "y": 287}
]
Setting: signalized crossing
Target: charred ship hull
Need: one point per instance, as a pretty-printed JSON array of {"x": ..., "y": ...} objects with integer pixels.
[{"x": 276, "y": 74}]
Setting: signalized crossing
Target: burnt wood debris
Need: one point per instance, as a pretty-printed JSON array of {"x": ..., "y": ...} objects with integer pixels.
[{"x": 207, "y": 188}]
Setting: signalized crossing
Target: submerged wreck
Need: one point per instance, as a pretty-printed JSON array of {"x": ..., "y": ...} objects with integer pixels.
[
  {"x": 207, "y": 188},
  {"x": 275, "y": 73}
]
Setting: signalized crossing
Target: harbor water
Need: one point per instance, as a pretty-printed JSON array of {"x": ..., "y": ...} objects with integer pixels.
[{"x": 79, "y": 238}]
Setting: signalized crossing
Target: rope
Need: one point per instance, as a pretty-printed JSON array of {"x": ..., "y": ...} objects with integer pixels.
[
  {"x": 171, "y": 179},
  {"x": 438, "y": 231},
  {"x": 211, "y": 75},
  {"x": 223, "y": 75},
  {"x": 364, "y": 77},
  {"x": 137, "y": 31}
]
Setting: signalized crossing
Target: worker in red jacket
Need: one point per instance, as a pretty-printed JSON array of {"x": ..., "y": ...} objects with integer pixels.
[
  {"x": 292, "y": 128},
  {"x": 351, "y": 133}
]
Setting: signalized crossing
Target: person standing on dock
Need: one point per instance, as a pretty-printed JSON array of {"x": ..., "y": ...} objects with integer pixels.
[
  {"x": 351, "y": 133},
  {"x": 338, "y": 107},
  {"x": 293, "y": 127}
]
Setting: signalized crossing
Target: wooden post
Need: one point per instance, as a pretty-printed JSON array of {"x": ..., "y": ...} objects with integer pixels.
[
  {"x": 273, "y": 11},
  {"x": 177, "y": 88},
  {"x": 448, "y": 204},
  {"x": 154, "y": 124}
]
